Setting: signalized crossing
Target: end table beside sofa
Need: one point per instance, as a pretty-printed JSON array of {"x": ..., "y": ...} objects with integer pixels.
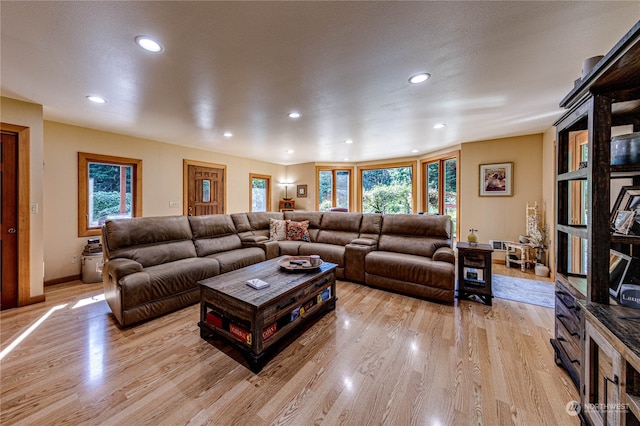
[{"x": 153, "y": 264}]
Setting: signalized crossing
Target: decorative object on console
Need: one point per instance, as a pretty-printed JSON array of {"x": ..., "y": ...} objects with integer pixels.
[
  {"x": 496, "y": 180},
  {"x": 472, "y": 238},
  {"x": 286, "y": 187},
  {"x": 301, "y": 191}
]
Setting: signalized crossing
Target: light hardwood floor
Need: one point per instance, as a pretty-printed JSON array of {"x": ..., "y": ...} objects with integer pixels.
[{"x": 379, "y": 358}]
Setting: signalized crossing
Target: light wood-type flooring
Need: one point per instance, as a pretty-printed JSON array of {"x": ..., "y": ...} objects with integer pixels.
[{"x": 379, "y": 359}]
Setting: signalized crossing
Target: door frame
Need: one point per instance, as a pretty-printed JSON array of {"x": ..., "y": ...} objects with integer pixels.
[
  {"x": 185, "y": 181},
  {"x": 24, "y": 216}
]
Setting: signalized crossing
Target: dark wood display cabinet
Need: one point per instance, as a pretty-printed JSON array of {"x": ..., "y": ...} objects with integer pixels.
[{"x": 596, "y": 340}]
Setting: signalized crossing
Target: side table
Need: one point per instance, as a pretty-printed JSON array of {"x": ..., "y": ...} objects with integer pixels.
[
  {"x": 474, "y": 271},
  {"x": 512, "y": 248}
]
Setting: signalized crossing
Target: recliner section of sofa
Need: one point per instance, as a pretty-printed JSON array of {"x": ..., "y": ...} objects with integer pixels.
[{"x": 153, "y": 265}]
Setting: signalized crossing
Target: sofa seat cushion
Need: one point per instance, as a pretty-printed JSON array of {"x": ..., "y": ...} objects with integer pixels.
[
  {"x": 327, "y": 252},
  {"x": 411, "y": 268},
  {"x": 235, "y": 259},
  {"x": 166, "y": 280}
]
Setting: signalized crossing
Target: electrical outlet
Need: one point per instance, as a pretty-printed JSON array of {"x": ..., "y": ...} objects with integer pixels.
[
  {"x": 174, "y": 205},
  {"x": 74, "y": 259}
]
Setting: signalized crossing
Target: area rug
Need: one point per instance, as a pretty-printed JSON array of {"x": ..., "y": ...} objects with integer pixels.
[{"x": 535, "y": 292}]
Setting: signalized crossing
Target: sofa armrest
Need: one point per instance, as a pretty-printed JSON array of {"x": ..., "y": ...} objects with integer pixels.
[
  {"x": 115, "y": 269},
  {"x": 251, "y": 240},
  {"x": 354, "y": 255},
  {"x": 444, "y": 254},
  {"x": 364, "y": 242},
  {"x": 271, "y": 248}
]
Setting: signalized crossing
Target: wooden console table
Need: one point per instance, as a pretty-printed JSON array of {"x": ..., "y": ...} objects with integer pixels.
[{"x": 474, "y": 271}]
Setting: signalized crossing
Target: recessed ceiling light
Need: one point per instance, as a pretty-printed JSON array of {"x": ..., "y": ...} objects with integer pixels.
[
  {"x": 419, "y": 78},
  {"x": 438, "y": 126},
  {"x": 227, "y": 134},
  {"x": 97, "y": 99},
  {"x": 148, "y": 44},
  {"x": 294, "y": 114},
  {"x": 348, "y": 141},
  {"x": 414, "y": 150},
  {"x": 346, "y": 159},
  {"x": 290, "y": 151}
]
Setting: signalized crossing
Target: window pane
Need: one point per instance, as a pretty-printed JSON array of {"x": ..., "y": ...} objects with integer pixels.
[
  {"x": 109, "y": 192},
  {"x": 387, "y": 190},
  {"x": 206, "y": 191},
  {"x": 325, "y": 197},
  {"x": 451, "y": 191},
  {"x": 258, "y": 195},
  {"x": 342, "y": 189},
  {"x": 433, "y": 202}
]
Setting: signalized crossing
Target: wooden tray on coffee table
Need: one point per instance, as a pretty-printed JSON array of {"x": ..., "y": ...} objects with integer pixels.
[{"x": 288, "y": 266}]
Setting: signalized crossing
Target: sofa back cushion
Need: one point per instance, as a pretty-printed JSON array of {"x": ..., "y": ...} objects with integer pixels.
[
  {"x": 259, "y": 222},
  {"x": 371, "y": 226},
  {"x": 149, "y": 240},
  {"x": 415, "y": 234},
  {"x": 214, "y": 233},
  {"x": 339, "y": 228},
  {"x": 241, "y": 222},
  {"x": 314, "y": 219}
]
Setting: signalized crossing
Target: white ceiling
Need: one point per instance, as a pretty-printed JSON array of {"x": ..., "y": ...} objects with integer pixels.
[{"x": 498, "y": 69}]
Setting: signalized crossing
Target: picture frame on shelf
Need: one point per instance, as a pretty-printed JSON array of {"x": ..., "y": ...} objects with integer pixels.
[
  {"x": 301, "y": 191},
  {"x": 496, "y": 180},
  {"x": 628, "y": 200},
  {"x": 623, "y": 221}
]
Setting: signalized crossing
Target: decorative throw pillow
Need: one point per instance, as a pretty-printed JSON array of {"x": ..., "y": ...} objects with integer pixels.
[
  {"x": 277, "y": 229},
  {"x": 298, "y": 231}
]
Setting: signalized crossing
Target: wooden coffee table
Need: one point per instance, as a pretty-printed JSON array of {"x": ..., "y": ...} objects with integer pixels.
[{"x": 254, "y": 320}]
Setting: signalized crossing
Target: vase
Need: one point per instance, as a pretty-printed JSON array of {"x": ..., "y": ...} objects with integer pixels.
[
  {"x": 541, "y": 270},
  {"x": 472, "y": 238}
]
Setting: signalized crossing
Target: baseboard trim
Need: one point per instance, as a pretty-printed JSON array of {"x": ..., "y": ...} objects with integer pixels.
[
  {"x": 36, "y": 299},
  {"x": 62, "y": 280}
]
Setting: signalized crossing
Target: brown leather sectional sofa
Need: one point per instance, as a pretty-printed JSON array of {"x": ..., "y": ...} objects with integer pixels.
[{"x": 152, "y": 264}]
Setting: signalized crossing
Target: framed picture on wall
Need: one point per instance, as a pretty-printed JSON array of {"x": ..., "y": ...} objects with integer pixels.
[
  {"x": 496, "y": 180},
  {"x": 628, "y": 201},
  {"x": 302, "y": 191}
]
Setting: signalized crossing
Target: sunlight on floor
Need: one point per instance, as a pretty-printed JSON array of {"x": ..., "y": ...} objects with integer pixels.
[{"x": 30, "y": 330}]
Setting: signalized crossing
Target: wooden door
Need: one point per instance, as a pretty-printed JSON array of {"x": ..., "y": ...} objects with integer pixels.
[
  {"x": 9, "y": 221},
  {"x": 205, "y": 189}
]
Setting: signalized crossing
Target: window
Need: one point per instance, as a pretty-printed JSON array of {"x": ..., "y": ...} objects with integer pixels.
[
  {"x": 108, "y": 187},
  {"x": 387, "y": 188},
  {"x": 259, "y": 193},
  {"x": 334, "y": 188},
  {"x": 440, "y": 186}
]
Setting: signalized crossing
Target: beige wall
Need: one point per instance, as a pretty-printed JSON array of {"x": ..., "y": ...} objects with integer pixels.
[
  {"x": 500, "y": 218},
  {"x": 302, "y": 174},
  {"x": 162, "y": 183},
  {"x": 30, "y": 115}
]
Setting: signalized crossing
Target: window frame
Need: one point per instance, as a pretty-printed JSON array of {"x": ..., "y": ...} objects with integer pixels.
[
  {"x": 84, "y": 230},
  {"x": 440, "y": 159},
  {"x": 412, "y": 164},
  {"x": 334, "y": 192},
  {"x": 253, "y": 176}
]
